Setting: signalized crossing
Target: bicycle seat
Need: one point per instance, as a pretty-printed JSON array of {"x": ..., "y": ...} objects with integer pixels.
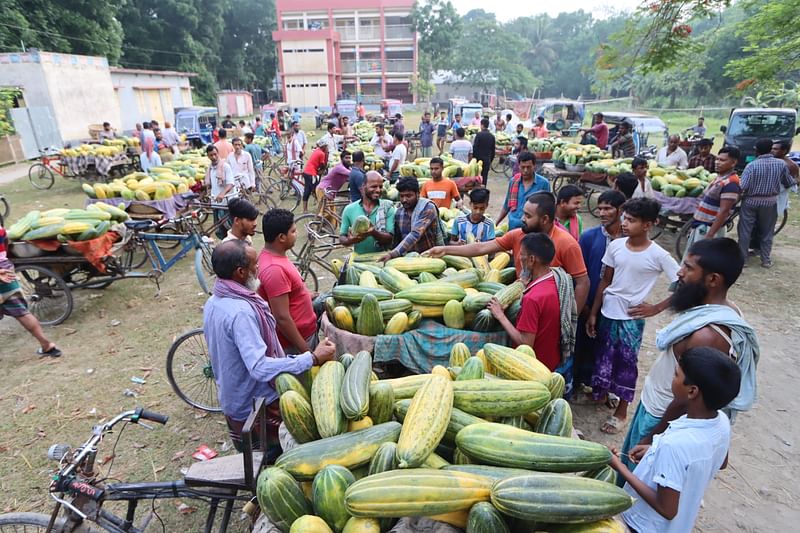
[
  {"x": 139, "y": 225},
  {"x": 189, "y": 195},
  {"x": 226, "y": 472}
]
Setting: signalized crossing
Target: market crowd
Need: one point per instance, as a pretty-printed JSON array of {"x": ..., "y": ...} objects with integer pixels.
[{"x": 587, "y": 290}]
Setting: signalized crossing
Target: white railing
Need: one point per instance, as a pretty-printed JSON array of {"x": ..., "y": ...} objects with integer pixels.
[
  {"x": 396, "y": 31},
  {"x": 369, "y": 33},
  {"x": 399, "y": 65}
]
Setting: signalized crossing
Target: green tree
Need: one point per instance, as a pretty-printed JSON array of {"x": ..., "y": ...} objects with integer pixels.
[
  {"x": 436, "y": 22},
  {"x": 773, "y": 43},
  {"x": 490, "y": 62},
  {"x": 177, "y": 34},
  {"x": 248, "y": 54},
  {"x": 88, "y": 27}
]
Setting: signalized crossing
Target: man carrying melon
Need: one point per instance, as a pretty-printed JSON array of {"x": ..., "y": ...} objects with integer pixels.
[{"x": 368, "y": 224}]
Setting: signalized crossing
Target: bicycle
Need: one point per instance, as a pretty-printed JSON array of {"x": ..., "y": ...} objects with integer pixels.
[
  {"x": 683, "y": 234},
  {"x": 80, "y": 492},
  {"x": 144, "y": 240}
]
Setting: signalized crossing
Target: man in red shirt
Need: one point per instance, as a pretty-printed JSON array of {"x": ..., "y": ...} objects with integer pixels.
[
  {"x": 316, "y": 165},
  {"x": 599, "y": 130},
  {"x": 538, "y": 324},
  {"x": 282, "y": 286},
  {"x": 538, "y": 216}
]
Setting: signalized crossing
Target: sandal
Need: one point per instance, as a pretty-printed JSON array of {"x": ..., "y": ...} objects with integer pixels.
[
  {"x": 52, "y": 352},
  {"x": 612, "y": 425},
  {"x": 612, "y": 401}
]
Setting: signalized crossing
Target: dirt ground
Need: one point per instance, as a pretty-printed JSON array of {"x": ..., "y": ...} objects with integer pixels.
[{"x": 45, "y": 401}]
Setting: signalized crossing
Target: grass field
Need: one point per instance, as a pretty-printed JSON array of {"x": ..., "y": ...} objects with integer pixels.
[{"x": 45, "y": 401}]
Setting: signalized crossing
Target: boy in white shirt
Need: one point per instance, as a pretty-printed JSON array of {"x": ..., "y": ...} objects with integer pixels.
[
  {"x": 631, "y": 266},
  {"x": 675, "y": 472}
]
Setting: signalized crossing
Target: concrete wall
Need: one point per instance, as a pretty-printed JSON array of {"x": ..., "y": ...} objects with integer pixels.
[
  {"x": 76, "y": 89},
  {"x": 81, "y": 92},
  {"x": 147, "y": 95},
  {"x": 20, "y": 70}
]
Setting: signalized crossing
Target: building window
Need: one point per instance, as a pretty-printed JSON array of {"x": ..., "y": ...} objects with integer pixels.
[{"x": 292, "y": 24}]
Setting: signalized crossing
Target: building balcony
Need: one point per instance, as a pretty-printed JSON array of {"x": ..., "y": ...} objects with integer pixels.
[
  {"x": 347, "y": 34},
  {"x": 369, "y": 33},
  {"x": 363, "y": 66},
  {"x": 400, "y": 65},
  {"x": 399, "y": 32}
]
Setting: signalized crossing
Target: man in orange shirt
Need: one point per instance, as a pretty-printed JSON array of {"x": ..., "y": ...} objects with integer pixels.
[
  {"x": 538, "y": 216},
  {"x": 440, "y": 190}
]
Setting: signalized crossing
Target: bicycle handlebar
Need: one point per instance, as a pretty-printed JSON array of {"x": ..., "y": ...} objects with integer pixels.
[{"x": 152, "y": 416}]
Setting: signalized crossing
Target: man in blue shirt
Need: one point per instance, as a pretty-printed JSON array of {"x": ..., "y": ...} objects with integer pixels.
[
  {"x": 426, "y": 135},
  {"x": 243, "y": 343},
  {"x": 357, "y": 176},
  {"x": 296, "y": 116},
  {"x": 521, "y": 186},
  {"x": 593, "y": 247}
]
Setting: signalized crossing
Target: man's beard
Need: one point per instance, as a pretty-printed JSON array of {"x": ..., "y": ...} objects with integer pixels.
[
  {"x": 530, "y": 229},
  {"x": 688, "y": 295},
  {"x": 252, "y": 283}
]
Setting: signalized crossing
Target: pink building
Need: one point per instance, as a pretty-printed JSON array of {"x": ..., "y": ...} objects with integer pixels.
[{"x": 356, "y": 49}]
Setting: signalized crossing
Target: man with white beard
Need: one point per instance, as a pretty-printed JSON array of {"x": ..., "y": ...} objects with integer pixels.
[{"x": 243, "y": 343}]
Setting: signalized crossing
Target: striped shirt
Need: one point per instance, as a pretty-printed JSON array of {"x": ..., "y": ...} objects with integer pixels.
[
  {"x": 722, "y": 188},
  {"x": 418, "y": 235},
  {"x": 482, "y": 231},
  {"x": 762, "y": 180}
]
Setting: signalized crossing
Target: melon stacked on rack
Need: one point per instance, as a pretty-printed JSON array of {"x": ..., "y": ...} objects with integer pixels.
[
  {"x": 394, "y": 297},
  {"x": 483, "y": 445}
]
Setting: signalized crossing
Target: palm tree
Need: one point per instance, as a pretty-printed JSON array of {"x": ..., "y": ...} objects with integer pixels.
[{"x": 542, "y": 55}]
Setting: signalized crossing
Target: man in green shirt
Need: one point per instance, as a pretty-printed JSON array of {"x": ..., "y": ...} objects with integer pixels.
[{"x": 380, "y": 214}]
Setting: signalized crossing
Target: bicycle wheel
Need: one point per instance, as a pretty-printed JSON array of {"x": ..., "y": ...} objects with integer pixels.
[
  {"x": 681, "y": 239},
  {"x": 309, "y": 276},
  {"x": 34, "y": 523},
  {"x": 48, "y": 296},
  {"x": 203, "y": 269},
  {"x": 40, "y": 176},
  {"x": 283, "y": 194},
  {"x": 189, "y": 371},
  {"x": 321, "y": 227}
]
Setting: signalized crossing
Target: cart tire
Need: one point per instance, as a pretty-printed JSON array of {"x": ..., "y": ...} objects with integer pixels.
[
  {"x": 40, "y": 176},
  {"x": 508, "y": 168},
  {"x": 657, "y": 229},
  {"x": 320, "y": 226},
  {"x": 190, "y": 374},
  {"x": 309, "y": 277},
  {"x": 35, "y": 523},
  {"x": 681, "y": 239},
  {"x": 203, "y": 268},
  {"x": 592, "y": 200},
  {"x": 47, "y": 294},
  {"x": 5, "y": 210}
]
